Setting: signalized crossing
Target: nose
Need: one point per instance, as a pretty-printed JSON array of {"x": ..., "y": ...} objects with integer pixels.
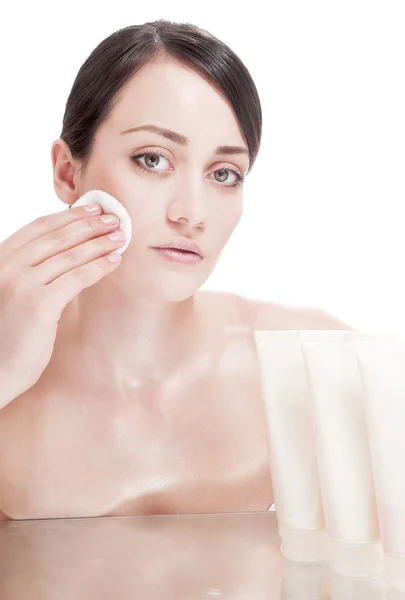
[{"x": 188, "y": 203}]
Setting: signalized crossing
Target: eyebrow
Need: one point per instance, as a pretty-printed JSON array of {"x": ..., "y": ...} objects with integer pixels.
[{"x": 181, "y": 139}]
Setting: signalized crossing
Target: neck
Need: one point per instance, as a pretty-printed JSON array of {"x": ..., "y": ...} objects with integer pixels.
[{"x": 123, "y": 340}]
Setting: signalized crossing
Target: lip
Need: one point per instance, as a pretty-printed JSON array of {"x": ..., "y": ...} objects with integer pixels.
[
  {"x": 182, "y": 244},
  {"x": 177, "y": 257}
]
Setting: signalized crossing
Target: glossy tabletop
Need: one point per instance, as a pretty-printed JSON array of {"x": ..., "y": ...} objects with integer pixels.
[{"x": 176, "y": 557}]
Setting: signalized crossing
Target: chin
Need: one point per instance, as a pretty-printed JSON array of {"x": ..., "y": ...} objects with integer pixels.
[
  {"x": 167, "y": 284},
  {"x": 177, "y": 287},
  {"x": 179, "y": 292}
]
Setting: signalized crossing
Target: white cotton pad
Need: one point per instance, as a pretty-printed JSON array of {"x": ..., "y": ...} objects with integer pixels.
[{"x": 110, "y": 205}]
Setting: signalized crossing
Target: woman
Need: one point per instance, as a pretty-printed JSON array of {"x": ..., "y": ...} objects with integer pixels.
[{"x": 129, "y": 390}]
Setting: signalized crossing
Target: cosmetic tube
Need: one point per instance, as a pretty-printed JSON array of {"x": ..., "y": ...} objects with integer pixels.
[
  {"x": 292, "y": 454},
  {"x": 343, "y": 453},
  {"x": 382, "y": 368}
]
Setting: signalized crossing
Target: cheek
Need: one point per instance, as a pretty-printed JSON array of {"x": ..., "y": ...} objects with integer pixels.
[
  {"x": 147, "y": 215},
  {"x": 111, "y": 176},
  {"x": 221, "y": 231},
  {"x": 135, "y": 198},
  {"x": 230, "y": 220}
]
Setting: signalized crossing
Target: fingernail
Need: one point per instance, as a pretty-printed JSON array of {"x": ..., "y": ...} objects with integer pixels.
[
  {"x": 93, "y": 208},
  {"x": 117, "y": 236},
  {"x": 113, "y": 257}
]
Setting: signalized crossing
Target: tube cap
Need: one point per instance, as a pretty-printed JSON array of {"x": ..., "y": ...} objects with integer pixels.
[{"x": 304, "y": 545}]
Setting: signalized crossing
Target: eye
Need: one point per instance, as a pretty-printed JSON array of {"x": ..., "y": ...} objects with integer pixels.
[
  {"x": 153, "y": 160},
  {"x": 237, "y": 177}
]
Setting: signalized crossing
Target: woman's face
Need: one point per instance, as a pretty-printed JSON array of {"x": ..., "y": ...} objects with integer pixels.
[{"x": 183, "y": 189}]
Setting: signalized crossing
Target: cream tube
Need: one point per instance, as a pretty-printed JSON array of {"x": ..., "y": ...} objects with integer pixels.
[
  {"x": 292, "y": 454},
  {"x": 343, "y": 453},
  {"x": 382, "y": 367}
]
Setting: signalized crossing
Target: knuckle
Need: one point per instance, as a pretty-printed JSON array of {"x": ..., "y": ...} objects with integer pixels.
[
  {"x": 79, "y": 274},
  {"x": 8, "y": 277},
  {"x": 44, "y": 221},
  {"x": 34, "y": 304},
  {"x": 70, "y": 256},
  {"x": 22, "y": 286},
  {"x": 101, "y": 242},
  {"x": 24, "y": 293},
  {"x": 7, "y": 287},
  {"x": 20, "y": 291},
  {"x": 6, "y": 273},
  {"x": 55, "y": 236},
  {"x": 93, "y": 223}
]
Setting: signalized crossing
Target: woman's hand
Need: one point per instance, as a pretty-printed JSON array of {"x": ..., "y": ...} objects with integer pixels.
[{"x": 43, "y": 266}]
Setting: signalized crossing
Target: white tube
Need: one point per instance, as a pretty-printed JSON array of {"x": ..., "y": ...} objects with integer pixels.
[
  {"x": 292, "y": 453},
  {"x": 382, "y": 367},
  {"x": 343, "y": 453}
]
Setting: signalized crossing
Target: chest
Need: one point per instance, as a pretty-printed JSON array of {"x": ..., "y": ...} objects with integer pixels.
[{"x": 195, "y": 442}]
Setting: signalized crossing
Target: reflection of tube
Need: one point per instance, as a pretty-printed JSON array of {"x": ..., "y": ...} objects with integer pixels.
[
  {"x": 292, "y": 453},
  {"x": 357, "y": 588},
  {"x": 394, "y": 595},
  {"x": 343, "y": 452},
  {"x": 305, "y": 581},
  {"x": 382, "y": 367}
]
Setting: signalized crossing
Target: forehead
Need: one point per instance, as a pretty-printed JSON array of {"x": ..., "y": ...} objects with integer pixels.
[{"x": 171, "y": 95}]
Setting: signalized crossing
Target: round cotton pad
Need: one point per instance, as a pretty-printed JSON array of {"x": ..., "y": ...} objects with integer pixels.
[{"x": 110, "y": 205}]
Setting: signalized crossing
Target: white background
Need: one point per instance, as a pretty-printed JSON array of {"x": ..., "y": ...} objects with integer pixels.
[{"x": 323, "y": 209}]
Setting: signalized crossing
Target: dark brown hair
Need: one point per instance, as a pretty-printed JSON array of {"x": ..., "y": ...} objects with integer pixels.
[{"x": 121, "y": 55}]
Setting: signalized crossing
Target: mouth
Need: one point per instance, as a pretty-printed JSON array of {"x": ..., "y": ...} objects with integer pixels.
[
  {"x": 182, "y": 245},
  {"x": 176, "y": 255}
]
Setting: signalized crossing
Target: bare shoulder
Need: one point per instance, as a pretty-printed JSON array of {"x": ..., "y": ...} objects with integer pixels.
[
  {"x": 276, "y": 316},
  {"x": 263, "y": 314}
]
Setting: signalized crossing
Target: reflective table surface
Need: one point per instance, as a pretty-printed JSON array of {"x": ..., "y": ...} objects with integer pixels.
[{"x": 176, "y": 557}]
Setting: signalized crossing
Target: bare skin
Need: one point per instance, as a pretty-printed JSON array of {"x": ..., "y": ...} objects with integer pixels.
[
  {"x": 151, "y": 401},
  {"x": 191, "y": 442}
]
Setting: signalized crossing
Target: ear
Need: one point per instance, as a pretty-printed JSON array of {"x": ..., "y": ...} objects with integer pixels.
[{"x": 66, "y": 172}]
